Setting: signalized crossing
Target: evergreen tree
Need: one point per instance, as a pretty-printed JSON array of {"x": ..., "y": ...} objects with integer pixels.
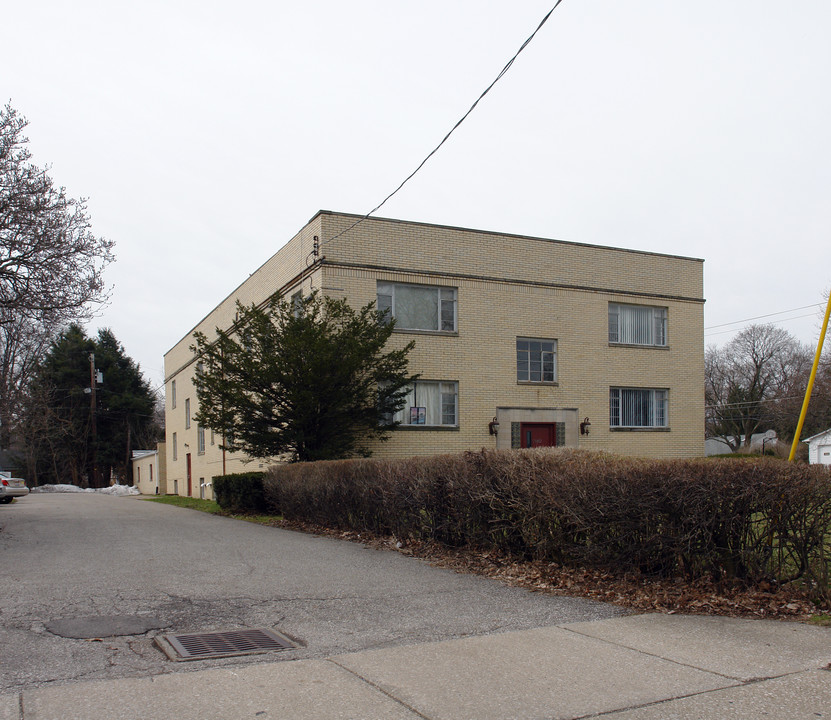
[
  {"x": 309, "y": 378},
  {"x": 74, "y": 435},
  {"x": 125, "y": 404},
  {"x": 57, "y": 416}
]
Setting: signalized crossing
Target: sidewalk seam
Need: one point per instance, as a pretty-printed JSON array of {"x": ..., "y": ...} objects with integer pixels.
[
  {"x": 739, "y": 680},
  {"x": 378, "y": 688},
  {"x": 688, "y": 695}
]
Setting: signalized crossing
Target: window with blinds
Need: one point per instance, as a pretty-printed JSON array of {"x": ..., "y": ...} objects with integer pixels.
[
  {"x": 637, "y": 325},
  {"x": 638, "y": 408}
]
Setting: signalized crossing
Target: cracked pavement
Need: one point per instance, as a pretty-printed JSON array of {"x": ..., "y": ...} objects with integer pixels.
[{"x": 93, "y": 556}]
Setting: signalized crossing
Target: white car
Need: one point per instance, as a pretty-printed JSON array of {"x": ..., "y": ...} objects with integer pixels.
[{"x": 11, "y": 488}]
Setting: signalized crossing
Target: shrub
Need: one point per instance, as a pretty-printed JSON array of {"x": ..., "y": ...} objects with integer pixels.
[
  {"x": 732, "y": 519},
  {"x": 240, "y": 493}
]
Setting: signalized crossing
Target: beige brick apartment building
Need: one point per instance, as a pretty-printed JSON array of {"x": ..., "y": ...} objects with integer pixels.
[{"x": 520, "y": 341}]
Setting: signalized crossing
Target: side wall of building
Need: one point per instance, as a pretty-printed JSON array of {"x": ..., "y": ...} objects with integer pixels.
[
  {"x": 148, "y": 472},
  {"x": 193, "y": 456}
]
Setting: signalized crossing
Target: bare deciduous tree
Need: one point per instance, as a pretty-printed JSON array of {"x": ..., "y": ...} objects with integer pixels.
[
  {"x": 50, "y": 261},
  {"x": 51, "y": 265},
  {"x": 23, "y": 341},
  {"x": 751, "y": 382}
]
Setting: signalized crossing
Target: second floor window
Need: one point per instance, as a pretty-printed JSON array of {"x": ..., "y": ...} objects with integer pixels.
[
  {"x": 419, "y": 307},
  {"x": 637, "y": 325},
  {"x": 297, "y": 304},
  {"x": 187, "y": 412}
]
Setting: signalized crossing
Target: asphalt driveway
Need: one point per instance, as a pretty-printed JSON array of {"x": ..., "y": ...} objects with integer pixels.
[{"x": 124, "y": 565}]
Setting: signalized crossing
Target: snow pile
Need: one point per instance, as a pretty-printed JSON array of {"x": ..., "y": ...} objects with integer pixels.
[
  {"x": 118, "y": 490},
  {"x": 61, "y": 488}
]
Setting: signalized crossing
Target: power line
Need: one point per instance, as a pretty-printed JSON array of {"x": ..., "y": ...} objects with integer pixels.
[
  {"x": 759, "y": 317},
  {"x": 446, "y": 137},
  {"x": 751, "y": 403},
  {"x": 723, "y": 332}
]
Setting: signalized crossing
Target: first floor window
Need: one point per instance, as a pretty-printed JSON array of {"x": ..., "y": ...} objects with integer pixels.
[
  {"x": 200, "y": 439},
  {"x": 187, "y": 413},
  {"x": 430, "y": 402},
  {"x": 536, "y": 360},
  {"x": 637, "y": 407},
  {"x": 175, "y": 448}
]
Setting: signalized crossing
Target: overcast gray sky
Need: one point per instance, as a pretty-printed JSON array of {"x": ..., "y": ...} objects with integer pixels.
[{"x": 205, "y": 134}]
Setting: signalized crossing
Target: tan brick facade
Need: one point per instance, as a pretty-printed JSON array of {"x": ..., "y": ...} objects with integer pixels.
[{"x": 507, "y": 287}]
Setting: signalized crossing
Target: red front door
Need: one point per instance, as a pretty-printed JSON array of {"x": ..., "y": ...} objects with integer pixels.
[
  {"x": 190, "y": 485},
  {"x": 537, "y": 435}
]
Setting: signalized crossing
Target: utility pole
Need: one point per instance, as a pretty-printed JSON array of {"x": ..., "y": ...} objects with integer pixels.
[
  {"x": 811, "y": 379},
  {"x": 93, "y": 425}
]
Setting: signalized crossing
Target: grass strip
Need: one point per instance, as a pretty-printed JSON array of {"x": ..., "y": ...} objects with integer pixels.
[{"x": 212, "y": 507}]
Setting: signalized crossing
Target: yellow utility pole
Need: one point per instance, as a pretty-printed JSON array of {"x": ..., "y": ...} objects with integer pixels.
[{"x": 810, "y": 382}]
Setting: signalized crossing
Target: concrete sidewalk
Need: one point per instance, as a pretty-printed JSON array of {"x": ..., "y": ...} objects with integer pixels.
[{"x": 636, "y": 667}]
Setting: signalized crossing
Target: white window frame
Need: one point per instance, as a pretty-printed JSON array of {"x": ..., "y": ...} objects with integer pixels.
[
  {"x": 525, "y": 361},
  {"x": 187, "y": 413},
  {"x": 657, "y": 407},
  {"x": 200, "y": 439},
  {"x": 446, "y": 304},
  {"x": 173, "y": 394},
  {"x": 448, "y": 391},
  {"x": 653, "y": 332},
  {"x": 175, "y": 447}
]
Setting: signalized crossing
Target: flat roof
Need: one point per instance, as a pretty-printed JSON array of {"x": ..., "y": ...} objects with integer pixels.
[{"x": 519, "y": 236}]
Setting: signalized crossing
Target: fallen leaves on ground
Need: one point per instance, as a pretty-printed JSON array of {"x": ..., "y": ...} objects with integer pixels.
[{"x": 640, "y": 593}]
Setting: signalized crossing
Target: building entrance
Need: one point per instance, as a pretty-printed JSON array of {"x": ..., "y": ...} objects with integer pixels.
[{"x": 538, "y": 435}]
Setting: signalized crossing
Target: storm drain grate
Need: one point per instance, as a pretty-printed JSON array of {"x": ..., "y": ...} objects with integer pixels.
[{"x": 199, "y": 646}]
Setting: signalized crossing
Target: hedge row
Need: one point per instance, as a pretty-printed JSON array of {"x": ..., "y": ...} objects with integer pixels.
[
  {"x": 240, "y": 492},
  {"x": 750, "y": 519}
]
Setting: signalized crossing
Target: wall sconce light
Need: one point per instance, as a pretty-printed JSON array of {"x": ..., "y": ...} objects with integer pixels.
[
  {"x": 186, "y": 445},
  {"x": 493, "y": 426},
  {"x": 584, "y": 427}
]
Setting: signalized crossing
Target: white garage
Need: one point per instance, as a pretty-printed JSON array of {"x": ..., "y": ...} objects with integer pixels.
[{"x": 819, "y": 448}]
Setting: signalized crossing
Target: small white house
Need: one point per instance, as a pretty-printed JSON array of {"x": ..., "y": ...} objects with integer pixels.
[
  {"x": 819, "y": 448},
  {"x": 149, "y": 471}
]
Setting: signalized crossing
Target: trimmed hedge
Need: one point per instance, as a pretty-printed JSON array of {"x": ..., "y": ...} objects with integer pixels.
[
  {"x": 745, "y": 519},
  {"x": 240, "y": 493}
]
